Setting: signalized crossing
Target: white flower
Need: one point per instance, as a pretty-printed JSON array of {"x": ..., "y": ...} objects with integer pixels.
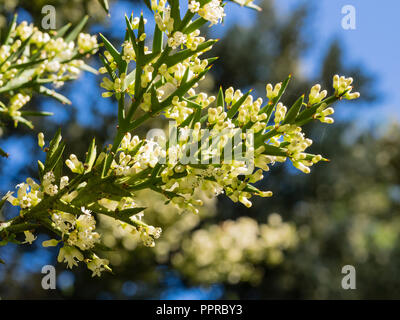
[
  {"x": 64, "y": 182},
  {"x": 212, "y": 11},
  {"x": 68, "y": 197},
  {"x": 53, "y": 66},
  {"x": 177, "y": 39},
  {"x": 27, "y": 196},
  {"x": 280, "y": 113},
  {"x": 29, "y": 237},
  {"x": 86, "y": 42},
  {"x": 48, "y": 187},
  {"x": 24, "y": 30},
  {"x": 70, "y": 255},
  {"x": 74, "y": 164},
  {"x": 108, "y": 204},
  {"x": 342, "y": 84},
  {"x": 194, "y": 6},
  {"x": 155, "y": 232},
  {"x": 63, "y": 221},
  {"x": 129, "y": 52},
  {"x": 315, "y": 95},
  {"x": 84, "y": 236},
  {"x": 273, "y": 92},
  {"x": 97, "y": 265}
]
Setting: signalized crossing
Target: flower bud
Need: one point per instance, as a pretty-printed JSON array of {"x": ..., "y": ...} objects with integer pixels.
[{"x": 41, "y": 139}]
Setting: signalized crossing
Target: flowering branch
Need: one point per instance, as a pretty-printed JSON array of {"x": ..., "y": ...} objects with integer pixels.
[
  {"x": 29, "y": 59},
  {"x": 217, "y": 144}
]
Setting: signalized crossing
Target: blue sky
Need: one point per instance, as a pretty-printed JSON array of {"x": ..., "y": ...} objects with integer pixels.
[{"x": 374, "y": 43}]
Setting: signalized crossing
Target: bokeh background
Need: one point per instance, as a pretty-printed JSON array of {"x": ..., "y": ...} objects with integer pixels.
[{"x": 293, "y": 245}]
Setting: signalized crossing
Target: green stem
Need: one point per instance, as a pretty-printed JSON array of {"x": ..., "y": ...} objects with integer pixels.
[{"x": 17, "y": 225}]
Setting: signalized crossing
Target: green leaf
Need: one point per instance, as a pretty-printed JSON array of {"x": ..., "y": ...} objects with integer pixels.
[
  {"x": 114, "y": 189},
  {"x": 40, "y": 170},
  {"x": 114, "y": 53},
  {"x": 131, "y": 34},
  {"x": 11, "y": 28},
  {"x": 220, "y": 98},
  {"x": 141, "y": 29},
  {"x": 27, "y": 64},
  {"x": 157, "y": 39},
  {"x": 148, "y": 4},
  {"x": 252, "y": 189},
  {"x": 183, "y": 88},
  {"x": 109, "y": 70},
  {"x": 102, "y": 247},
  {"x": 306, "y": 115},
  {"x": 21, "y": 80},
  {"x": 184, "y": 54},
  {"x": 54, "y": 143},
  {"x": 15, "y": 55},
  {"x": 274, "y": 151},
  {"x": 196, "y": 24},
  {"x": 2, "y": 202},
  {"x": 175, "y": 13},
  {"x": 75, "y": 32},
  {"x": 57, "y": 170},
  {"x": 51, "y": 93},
  {"x": 62, "y": 31},
  {"x": 10, "y": 238},
  {"x": 36, "y": 113},
  {"x": 124, "y": 215},
  {"x": 104, "y": 4},
  {"x": 211, "y": 60},
  {"x": 185, "y": 75},
  {"x": 89, "y": 69},
  {"x": 187, "y": 120},
  {"x": 129, "y": 79},
  {"x": 55, "y": 158},
  {"x": 282, "y": 91},
  {"x": 235, "y": 107},
  {"x": 91, "y": 156},
  {"x": 293, "y": 111},
  {"x": 268, "y": 109},
  {"x": 3, "y": 153},
  {"x": 23, "y": 121},
  {"x": 186, "y": 19}
]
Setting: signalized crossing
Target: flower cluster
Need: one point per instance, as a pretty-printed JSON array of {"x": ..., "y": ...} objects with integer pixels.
[
  {"x": 182, "y": 179},
  {"x": 215, "y": 144},
  {"x": 80, "y": 230},
  {"x": 342, "y": 85},
  {"x": 28, "y": 195},
  {"x": 147, "y": 233},
  {"x": 80, "y": 236},
  {"x": 30, "y": 58},
  {"x": 235, "y": 250},
  {"x": 212, "y": 11}
]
